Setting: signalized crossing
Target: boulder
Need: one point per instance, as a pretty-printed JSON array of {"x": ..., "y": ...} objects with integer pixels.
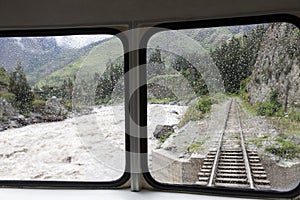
[
  {"x": 6, "y": 109},
  {"x": 14, "y": 124},
  {"x": 36, "y": 118},
  {"x": 54, "y": 107},
  {"x": 162, "y": 130},
  {"x": 6, "y": 113}
]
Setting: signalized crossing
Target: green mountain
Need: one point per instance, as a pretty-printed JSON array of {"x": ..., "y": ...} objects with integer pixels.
[
  {"x": 95, "y": 60},
  {"x": 39, "y": 56}
]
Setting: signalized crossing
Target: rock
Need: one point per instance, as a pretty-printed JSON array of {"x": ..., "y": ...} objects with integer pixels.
[
  {"x": 184, "y": 155},
  {"x": 294, "y": 139},
  {"x": 6, "y": 113},
  {"x": 277, "y": 70},
  {"x": 14, "y": 124},
  {"x": 18, "y": 117},
  {"x": 67, "y": 159},
  {"x": 54, "y": 109},
  {"x": 6, "y": 109},
  {"x": 162, "y": 130},
  {"x": 181, "y": 155},
  {"x": 175, "y": 112},
  {"x": 36, "y": 118}
]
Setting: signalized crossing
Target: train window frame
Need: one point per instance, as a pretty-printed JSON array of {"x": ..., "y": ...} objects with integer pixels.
[
  {"x": 210, "y": 23},
  {"x": 125, "y": 177}
]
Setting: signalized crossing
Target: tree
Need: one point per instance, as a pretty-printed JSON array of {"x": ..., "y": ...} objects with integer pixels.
[
  {"x": 192, "y": 75},
  {"x": 235, "y": 58},
  {"x": 108, "y": 81},
  {"x": 156, "y": 65},
  {"x": 19, "y": 86},
  {"x": 67, "y": 89}
]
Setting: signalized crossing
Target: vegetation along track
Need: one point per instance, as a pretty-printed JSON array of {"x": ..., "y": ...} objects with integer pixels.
[{"x": 230, "y": 164}]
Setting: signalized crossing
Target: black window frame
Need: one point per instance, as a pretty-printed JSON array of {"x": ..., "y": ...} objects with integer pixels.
[
  {"x": 198, "y": 189},
  {"x": 72, "y": 184}
]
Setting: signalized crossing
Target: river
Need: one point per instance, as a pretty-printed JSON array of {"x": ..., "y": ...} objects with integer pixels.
[{"x": 82, "y": 148}]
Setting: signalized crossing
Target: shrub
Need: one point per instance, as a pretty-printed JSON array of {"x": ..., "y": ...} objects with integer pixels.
[
  {"x": 294, "y": 115},
  {"x": 9, "y": 97},
  {"x": 196, "y": 111},
  {"x": 268, "y": 108},
  {"x": 204, "y": 104},
  {"x": 191, "y": 114},
  {"x": 163, "y": 138},
  {"x": 284, "y": 149},
  {"x": 280, "y": 112},
  {"x": 3, "y": 119},
  {"x": 68, "y": 105},
  {"x": 38, "y": 105}
]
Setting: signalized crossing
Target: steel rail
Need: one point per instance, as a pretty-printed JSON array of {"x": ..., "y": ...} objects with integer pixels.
[
  {"x": 245, "y": 155},
  {"x": 215, "y": 164}
]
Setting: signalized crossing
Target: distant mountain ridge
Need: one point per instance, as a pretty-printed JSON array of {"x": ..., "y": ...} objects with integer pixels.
[
  {"x": 46, "y": 62},
  {"x": 65, "y": 58},
  {"x": 40, "y": 56},
  {"x": 106, "y": 51},
  {"x": 208, "y": 38},
  {"x": 30, "y": 51}
]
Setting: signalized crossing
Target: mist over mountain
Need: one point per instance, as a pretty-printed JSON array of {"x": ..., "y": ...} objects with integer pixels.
[
  {"x": 32, "y": 52},
  {"x": 210, "y": 38},
  {"x": 40, "y": 56}
]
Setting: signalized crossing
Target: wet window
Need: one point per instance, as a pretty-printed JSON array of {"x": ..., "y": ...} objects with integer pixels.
[
  {"x": 61, "y": 108},
  {"x": 224, "y": 106}
]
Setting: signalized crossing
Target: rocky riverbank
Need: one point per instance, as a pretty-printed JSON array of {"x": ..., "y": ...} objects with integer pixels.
[{"x": 11, "y": 118}]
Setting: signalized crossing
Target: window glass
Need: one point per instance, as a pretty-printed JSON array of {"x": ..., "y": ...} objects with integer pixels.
[
  {"x": 61, "y": 108},
  {"x": 224, "y": 106}
]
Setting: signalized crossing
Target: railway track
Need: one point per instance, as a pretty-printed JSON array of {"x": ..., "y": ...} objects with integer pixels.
[{"x": 231, "y": 164}]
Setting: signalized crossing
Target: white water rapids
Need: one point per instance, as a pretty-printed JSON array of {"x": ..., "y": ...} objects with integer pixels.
[{"x": 84, "y": 148}]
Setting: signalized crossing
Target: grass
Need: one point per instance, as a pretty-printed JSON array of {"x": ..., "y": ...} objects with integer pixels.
[
  {"x": 191, "y": 114},
  {"x": 288, "y": 126},
  {"x": 163, "y": 138},
  {"x": 284, "y": 148},
  {"x": 294, "y": 115},
  {"x": 219, "y": 98},
  {"x": 196, "y": 146},
  {"x": 164, "y": 100},
  {"x": 258, "y": 142},
  {"x": 249, "y": 108},
  {"x": 196, "y": 111}
]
